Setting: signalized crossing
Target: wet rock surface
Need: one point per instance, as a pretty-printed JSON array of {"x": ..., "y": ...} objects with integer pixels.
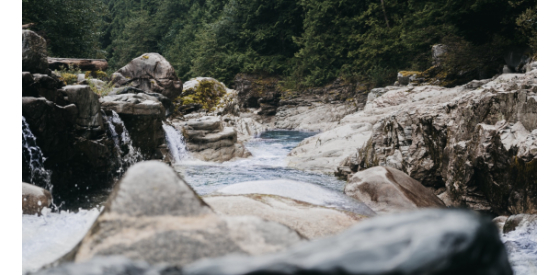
[
  {"x": 152, "y": 207},
  {"x": 385, "y": 189}
]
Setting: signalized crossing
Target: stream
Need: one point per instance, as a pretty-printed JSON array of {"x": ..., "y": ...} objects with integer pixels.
[{"x": 46, "y": 238}]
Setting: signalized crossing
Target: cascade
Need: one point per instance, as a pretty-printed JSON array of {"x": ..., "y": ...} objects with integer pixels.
[
  {"x": 33, "y": 155},
  {"x": 128, "y": 154},
  {"x": 176, "y": 143}
]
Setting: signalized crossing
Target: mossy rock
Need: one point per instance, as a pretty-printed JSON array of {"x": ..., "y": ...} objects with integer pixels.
[
  {"x": 68, "y": 78},
  {"x": 205, "y": 92}
]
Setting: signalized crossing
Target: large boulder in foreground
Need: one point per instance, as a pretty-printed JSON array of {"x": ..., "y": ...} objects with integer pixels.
[
  {"x": 154, "y": 216},
  {"x": 34, "y": 198},
  {"x": 385, "y": 189},
  {"x": 33, "y": 52},
  {"x": 312, "y": 210},
  {"x": 422, "y": 242},
  {"x": 149, "y": 72}
]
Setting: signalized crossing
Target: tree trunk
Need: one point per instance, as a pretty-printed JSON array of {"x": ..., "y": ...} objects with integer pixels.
[
  {"x": 385, "y": 14},
  {"x": 82, "y": 64}
]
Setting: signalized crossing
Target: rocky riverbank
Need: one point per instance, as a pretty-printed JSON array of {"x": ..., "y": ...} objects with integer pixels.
[{"x": 185, "y": 185}]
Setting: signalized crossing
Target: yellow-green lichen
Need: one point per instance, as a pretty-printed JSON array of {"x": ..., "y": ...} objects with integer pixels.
[{"x": 207, "y": 93}]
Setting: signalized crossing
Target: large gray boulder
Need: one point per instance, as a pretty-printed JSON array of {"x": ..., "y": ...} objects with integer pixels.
[
  {"x": 34, "y": 199},
  {"x": 421, "y": 242},
  {"x": 90, "y": 120},
  {"x": 150, "y": 72},
  {"x": 154, "y": 216},
  {"x": 33, "y": 52},
  {"x": 385, "y": 189}
]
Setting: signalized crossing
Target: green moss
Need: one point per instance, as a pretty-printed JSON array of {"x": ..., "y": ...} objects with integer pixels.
[
  {"x": 410, "y": 73},
  {"x": 69, "y": 78},
  {"x": 207, "y": 93}
]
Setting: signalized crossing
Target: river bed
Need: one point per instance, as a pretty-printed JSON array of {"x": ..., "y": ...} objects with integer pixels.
[{"x": 46, "y": 238}]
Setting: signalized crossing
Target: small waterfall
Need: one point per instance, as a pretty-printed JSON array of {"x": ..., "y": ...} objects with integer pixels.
[
  {"x": 176, "y": 144},
  {"x": 128, "y": 154},
  {"x": 33, "y": 155}
]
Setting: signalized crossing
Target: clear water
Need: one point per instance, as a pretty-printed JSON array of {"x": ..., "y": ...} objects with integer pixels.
[
  {"x": 176, "y": 144},
  {"x": 267, "y": 163}
]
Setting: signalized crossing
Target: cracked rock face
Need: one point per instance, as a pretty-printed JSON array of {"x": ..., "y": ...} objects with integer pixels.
[
  {"x": 150, "y": 72},
  {"x": 152, "y": 207},
  {"x": 475, "y": 144}
]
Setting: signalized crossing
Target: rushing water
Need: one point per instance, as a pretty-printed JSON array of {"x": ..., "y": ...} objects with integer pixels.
[
  {"x": 128, "y": 154},
  {"x": 33, "y": 155},
  {"x": 267, "y": 163},
  {"x": 521, "y": 245},
  {"x": 176, "y": 144},
  {"x": 47, "y": 237}
]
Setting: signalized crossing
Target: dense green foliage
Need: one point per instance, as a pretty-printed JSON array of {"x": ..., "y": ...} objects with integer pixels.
[
  {"x": 309, "y": 42},
  {"x": 71, "y": 28}
]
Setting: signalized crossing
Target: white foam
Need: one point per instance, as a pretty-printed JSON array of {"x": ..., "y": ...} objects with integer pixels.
[
  {"x": 522, "y": 248},
  {"x": 48, "y": 237}
]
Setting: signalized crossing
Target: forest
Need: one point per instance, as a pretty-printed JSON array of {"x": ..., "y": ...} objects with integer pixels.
[{"x": 308, "y": 43}]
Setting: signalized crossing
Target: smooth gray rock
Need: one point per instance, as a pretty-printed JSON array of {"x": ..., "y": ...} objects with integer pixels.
[
  {"x": 385, "y": 189},
  {"x": 149, "y": 72},
  {"x": 154, "y": 216},
  {"x": 301, "y": 191},
  {"x": 33, "y": 52},
  {"x": 311, "y": 221},
  {"x": 420, "y": 242}
]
